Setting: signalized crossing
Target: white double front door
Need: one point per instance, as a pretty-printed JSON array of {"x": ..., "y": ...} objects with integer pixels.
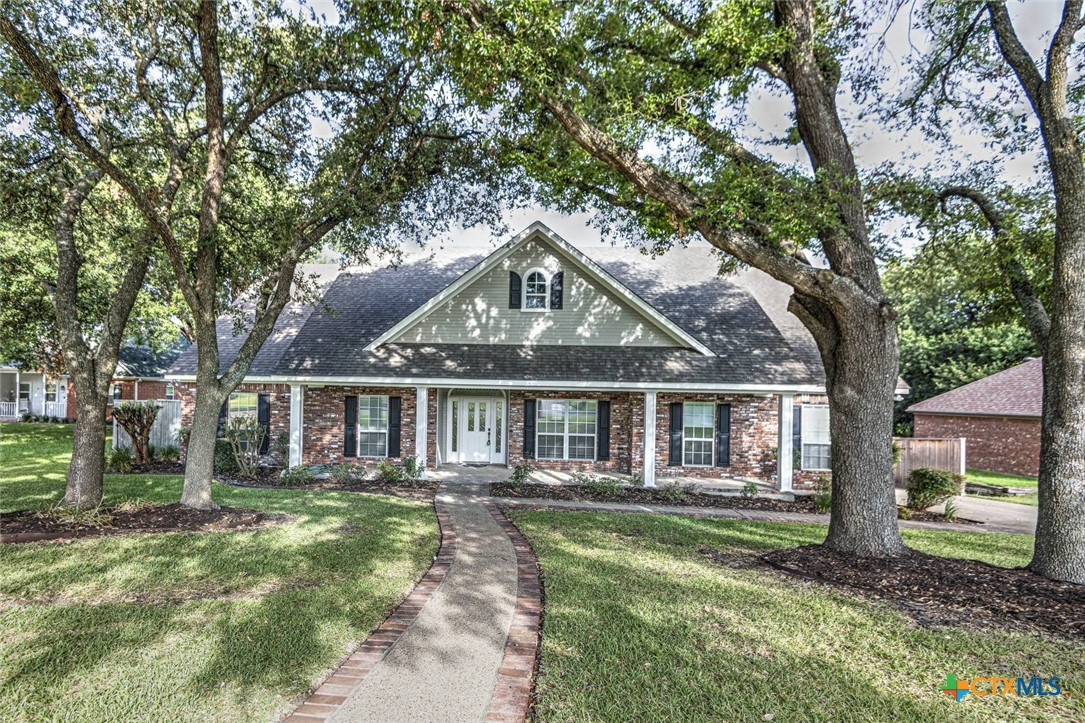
[{"x": 477, "y": 430}]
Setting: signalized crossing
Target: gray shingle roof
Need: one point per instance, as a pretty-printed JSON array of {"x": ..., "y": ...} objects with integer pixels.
[
  {"x": 741, "y": 318},
  {"x": 146, "y": 363},
  {"x": 1017, "y": 392}
]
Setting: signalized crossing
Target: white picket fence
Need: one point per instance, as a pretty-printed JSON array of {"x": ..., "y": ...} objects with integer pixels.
[{"x": 164, "y": 432}]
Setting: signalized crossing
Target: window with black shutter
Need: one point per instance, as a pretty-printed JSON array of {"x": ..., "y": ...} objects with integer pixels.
[
  {"x": 675, "y": 457},
  {"x": 263, "y": 417},
  {"x": 515, "y": 290},
  {"x": 602, "y": 431},
  {"x": 529, "y": 429},
  {"x": 395, "y": 411},
  {"x": 350, "y": 426},
  {"x": 723, "y": 435},
  {"x": 796, "y": 436}
]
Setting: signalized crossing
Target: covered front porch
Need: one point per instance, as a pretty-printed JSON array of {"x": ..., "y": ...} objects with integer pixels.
[{"x": 26, "y": 392}]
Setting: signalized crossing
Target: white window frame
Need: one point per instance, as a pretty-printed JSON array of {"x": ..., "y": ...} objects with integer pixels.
[
  {"x": 565, "y": 433},
  {"x": 55, "y": 386},
  {"x": 807, "y": 435},
  {"x": 118, "y": 390},
  {"x": 170, "y": 391},
  {"x": 711, "y": 439},
  {"x": 235, "y": 409},
  {"x": 546, "y": 291},
  {"x": 372, "y": 428}
]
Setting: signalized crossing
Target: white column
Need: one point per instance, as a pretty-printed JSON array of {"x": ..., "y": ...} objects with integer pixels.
[
  {"x": 649, "y": 439},
  {"x": 29, "y": 403},
  {"x": 785, "y": 458},
  {"x": 136, "y": 391},
  {"x": 297, "y": 410},
  {"x": 421, "y": 401}
]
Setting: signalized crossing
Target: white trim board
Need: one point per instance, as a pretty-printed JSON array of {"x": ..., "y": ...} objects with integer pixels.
[{"x": 539, "y": 230}]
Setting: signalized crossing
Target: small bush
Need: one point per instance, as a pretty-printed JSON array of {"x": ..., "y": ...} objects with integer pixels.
[
  {"x": 245, "y": 436},
  {"x": 750, "y": 490},
  {"x": 280, "y": 446},
  {"x": 929, "y": 487},
  {"x": 347, "y": 473},
  {"x": 903, "y": 513},
  {"x": 169, "y": 453},
  {"x": 671, "y": 492},
  {"x": 225, "y": 461},
  {"x": 296, "y": 475},
  {"x": 521, "y": 473},
  {"x": 137, "y": 419},
  {"x": 134, "y": 504},
  {"x": 603, "y": 486},
  {"x": 636, "y": 480},
  {"x": 119, "y": 460},
  {"x": 388, "y": 472},
  {"x": 823, "y": 494},
  {"x": 76, "y": 516},
  {"x": 950, "y": 512},
  {"x": 27, "y": 416},
  {"x": 412, "y": 468}
]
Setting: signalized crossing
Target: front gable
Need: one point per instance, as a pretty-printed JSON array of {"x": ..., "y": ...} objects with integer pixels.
[{"x": 490, "y": 304}]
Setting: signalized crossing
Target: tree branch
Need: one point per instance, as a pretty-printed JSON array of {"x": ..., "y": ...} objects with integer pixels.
[{"x": 1015, "y": 52}]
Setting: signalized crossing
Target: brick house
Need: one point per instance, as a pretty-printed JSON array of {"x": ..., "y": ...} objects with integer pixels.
[
  {"x": 599, "y": 360},
  {"x": 141, "y": 374},
  {"x": 999, "y": 415}
]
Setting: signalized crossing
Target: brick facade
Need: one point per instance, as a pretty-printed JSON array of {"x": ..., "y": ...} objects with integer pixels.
[
  {"x": 278, "y": 405},
  {"x": 998, "y": 444},
  {"x": 324, "y": 423},
  {"x": 754, "y": 424},
  {"x": 622, "y": 420}
]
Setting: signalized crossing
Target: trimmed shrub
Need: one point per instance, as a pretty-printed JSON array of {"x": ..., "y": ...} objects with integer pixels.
[
  {"x": 225, "y": 461},
  {"x": 671, "y": 492},
  {"x": 521, "y": 473},
  {"x": 412, "y": 468},
  {"x": 929, "y": 487},
  {"x": 169, "y": 453},
  {"x": 347, "y": 473},
  {"x": 296, "y": 475},
  {"x": 823, "y": 494},
  {"x": 119, "y": 460},
  {"x": 137, "y": 419}
]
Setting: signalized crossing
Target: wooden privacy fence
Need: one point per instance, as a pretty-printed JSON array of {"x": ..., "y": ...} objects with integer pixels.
[
  {"x": 164, "y": 432},
  {"x": 947, "y": 454}
]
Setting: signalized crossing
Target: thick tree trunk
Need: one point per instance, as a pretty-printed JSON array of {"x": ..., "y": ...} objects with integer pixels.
[
  {"x": 859, "y": 351},
  {"x": 84, "y": 489},
  {"x": 200, "y": 454}
]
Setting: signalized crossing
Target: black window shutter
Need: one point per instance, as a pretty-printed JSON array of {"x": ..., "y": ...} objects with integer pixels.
[
  {"x": 263, "y": 417},
  {"x": 796, "y": 435},
  {"x": 723, "y": 435},
  {"x": 515, "y": 290},
  {"x": 555, "y": 290},
  {"x": 602, "y": 431},
  {"x": 222, "y": 419},
  {"x": 350, "y": 427},
  {"x": 529, "y": 429},
  {"x": 395, "y": 414},
  {"x": 676, "y": 435}
]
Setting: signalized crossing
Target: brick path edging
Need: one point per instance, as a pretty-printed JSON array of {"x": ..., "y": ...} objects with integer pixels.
[
  {"x": 512, "y": 696},
  {"x": 333, "y": 690}
]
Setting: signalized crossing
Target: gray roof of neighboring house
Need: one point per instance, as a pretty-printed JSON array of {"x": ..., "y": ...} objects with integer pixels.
[
  {"x": 742, "y": 318},
  {"x": 1014, "y": 392},
  {"x": 143, "y": 362}
]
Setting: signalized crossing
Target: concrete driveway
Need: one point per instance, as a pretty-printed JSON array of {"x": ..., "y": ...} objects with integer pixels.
[{"x": 1008, "y": 515}]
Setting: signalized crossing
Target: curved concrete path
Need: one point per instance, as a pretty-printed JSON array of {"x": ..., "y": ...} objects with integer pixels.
[{"x": 445, "y": 666}]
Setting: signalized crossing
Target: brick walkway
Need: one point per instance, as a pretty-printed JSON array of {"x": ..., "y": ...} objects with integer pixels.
[{"x": 462, "y": 646}]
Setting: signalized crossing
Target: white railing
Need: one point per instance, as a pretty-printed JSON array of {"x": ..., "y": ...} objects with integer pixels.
[
  {"x": 56, "y": 409},
  {"x": 8, "y": 409}
]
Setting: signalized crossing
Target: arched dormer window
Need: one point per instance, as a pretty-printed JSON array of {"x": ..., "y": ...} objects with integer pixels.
[{"x": 536, "y": 290}]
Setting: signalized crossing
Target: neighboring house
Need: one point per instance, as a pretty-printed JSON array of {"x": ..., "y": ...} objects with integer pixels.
[
  {"x": 33, "y": 392},
  {"x": 140, "y": 375},
  {"x": 605, "y": 361},
  {"x": 999, "y": 415}
]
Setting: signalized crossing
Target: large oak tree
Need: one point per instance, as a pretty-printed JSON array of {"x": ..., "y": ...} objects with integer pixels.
[
  {"x": 310, "y": 132},
  {"x": 640, "y": 107}
]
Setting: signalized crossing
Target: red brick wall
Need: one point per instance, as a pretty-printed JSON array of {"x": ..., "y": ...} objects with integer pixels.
[
  {"x": 998, "y": 444},
  {"x": 753, "y": 436},
  {"x": 324, "y": 424},
  {"x": 623, "y": 418},
  {"x": 278, "y": 401}
]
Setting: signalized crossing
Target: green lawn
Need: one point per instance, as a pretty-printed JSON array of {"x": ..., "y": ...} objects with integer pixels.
[
  {"x": 220, "y": 626},
  {"x": 640, "y": 625},
  {"x": 1004, "y": 480}
]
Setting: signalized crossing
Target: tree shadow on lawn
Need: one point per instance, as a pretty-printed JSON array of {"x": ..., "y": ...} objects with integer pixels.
[
  {"x": 351, "y": 579},
  {"x": 682, "y": 638}
]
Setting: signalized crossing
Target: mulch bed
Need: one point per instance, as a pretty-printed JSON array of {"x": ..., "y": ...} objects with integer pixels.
[
  {"x": 157, "y": 467},
  {"x": 414, "y": 490},
  {"x": 36, "y": 525},
  {"x": 647, "y": 496},
  {"x": 937, "y": 591}
]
